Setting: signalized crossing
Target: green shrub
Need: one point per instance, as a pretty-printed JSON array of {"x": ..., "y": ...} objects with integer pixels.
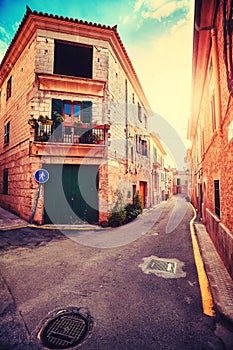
[
  {"x": 117, "y": 218},
  {"x": 131, "y": 212},
  {"x": 137, "y": 202},
  {"x": 121, "y": 215},
  {"x": 118, "y": 213}
]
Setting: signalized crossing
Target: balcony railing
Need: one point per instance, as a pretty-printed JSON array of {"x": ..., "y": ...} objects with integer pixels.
[{"x": 84, "y": 134}]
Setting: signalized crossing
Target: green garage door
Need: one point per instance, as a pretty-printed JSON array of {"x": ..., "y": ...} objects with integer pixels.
[{"x": 71, "y": 194}]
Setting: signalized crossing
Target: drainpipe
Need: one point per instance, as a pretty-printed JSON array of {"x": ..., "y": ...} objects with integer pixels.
[{"x": 216, "y": 79}]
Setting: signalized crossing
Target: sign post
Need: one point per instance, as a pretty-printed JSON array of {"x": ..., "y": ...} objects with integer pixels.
[{"x": 41, "y": 176}]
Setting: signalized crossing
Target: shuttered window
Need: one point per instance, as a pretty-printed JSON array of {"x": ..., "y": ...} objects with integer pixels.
[
  {"x": 72, "y": 111},
  {"x": 5, "y": 181},
  {"x": 217, "y": 197},
  {"x": 7, "y": 133}
]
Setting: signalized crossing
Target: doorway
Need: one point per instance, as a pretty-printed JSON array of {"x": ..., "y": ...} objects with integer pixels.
[{"x": 71, "y": 194}]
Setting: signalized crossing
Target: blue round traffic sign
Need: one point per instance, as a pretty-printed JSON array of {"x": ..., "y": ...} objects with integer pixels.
[{"x": 41, "y": 176}]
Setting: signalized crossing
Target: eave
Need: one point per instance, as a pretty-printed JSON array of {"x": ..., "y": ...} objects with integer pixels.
[{"x": 61, "y": 83}]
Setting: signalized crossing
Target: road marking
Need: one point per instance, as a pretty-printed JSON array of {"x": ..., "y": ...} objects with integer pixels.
[{"x": 207, "y": 300}]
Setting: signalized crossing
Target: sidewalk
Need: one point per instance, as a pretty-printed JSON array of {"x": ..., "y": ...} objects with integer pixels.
[
  {"x": 221, "y": 284},
  {"x": 220, "y": 281},
  {"x": 9, "y": 221}
]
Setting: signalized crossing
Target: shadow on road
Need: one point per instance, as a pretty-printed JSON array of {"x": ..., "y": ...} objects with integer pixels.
[{"x": 28, "y": 237}]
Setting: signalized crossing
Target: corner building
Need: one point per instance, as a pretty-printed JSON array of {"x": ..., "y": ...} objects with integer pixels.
[
  {"x": 71, "y": 103},
  {"x": 211, "y": 123}
]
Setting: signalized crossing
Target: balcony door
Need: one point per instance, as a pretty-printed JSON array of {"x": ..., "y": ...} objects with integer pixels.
[{"x": 71, "y": 113}]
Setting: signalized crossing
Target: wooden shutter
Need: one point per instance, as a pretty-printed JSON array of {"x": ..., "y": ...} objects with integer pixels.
[
  {"x": 87, "y": 111},
  {"x": 56, "y": 107}
]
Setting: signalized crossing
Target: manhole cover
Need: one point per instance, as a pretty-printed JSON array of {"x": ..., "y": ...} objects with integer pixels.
[
  {"x": 65, "y": 329},
  {"x": 167, "y": 268},
  {"x": 162, "y": 265}
]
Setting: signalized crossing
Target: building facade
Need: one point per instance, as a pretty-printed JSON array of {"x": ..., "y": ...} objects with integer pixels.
[
  {"x": 159, "y": 183},
  {"x": 211, "y": 123},
  {"x": 71, "y": 103},
  {"x": 181, "y": 182}
]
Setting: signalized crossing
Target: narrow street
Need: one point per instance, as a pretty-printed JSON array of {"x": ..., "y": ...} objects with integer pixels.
[{"x": 135, "y": 303}]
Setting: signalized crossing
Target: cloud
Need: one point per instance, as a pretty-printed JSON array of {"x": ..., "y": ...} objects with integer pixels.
[
  {"x": 164, "y": 69},
  {"x": 158, "y": 9},
  {"x": 6, "y": 35},
  {"x": 3, "y": 48},
  {"x": 125, "y": 19},
  {"x": 4, "y": 41}
]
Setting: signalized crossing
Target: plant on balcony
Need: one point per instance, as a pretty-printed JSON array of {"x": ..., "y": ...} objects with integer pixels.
[
  {"x": 32, "y": 122},
  {"x": 59, "y": 117},
  {"x": 45, "y": 120},
  {"x": 44, "y": 137},
  {"x": 77, "y": 123},
  {"x": 94, "y": 138}
]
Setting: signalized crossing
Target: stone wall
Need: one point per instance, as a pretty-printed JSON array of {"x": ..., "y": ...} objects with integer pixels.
[{"x": 222, "y": 239}]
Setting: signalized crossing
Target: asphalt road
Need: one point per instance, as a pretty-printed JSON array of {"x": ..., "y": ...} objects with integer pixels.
[{"x": 116, "y": 274}]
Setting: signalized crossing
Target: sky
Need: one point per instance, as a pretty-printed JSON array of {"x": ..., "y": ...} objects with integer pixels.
[{"x": 157, "y": 35}]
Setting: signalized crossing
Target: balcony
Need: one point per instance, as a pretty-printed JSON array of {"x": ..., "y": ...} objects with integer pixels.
[
  {"x": 84, "y": 134},
  {"x": 87, "y": 141}
]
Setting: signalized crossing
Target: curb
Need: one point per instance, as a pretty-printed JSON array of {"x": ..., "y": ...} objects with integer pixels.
[
  {"x": 221, "y": 283},
  {"x": 205, "y": 289}
]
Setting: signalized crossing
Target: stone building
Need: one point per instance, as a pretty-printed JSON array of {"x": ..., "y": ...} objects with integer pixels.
[
  {"x": 181, "y": 182},
  {"x": 71, "y": 103},
  {"x": 211, "y": 123},
  {"x": 159, "y": 183}
]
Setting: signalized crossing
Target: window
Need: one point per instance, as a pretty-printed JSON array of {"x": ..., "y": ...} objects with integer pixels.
[
  {"x": 145, "y": 121},
  {"x": 73, "y": 60},
  {"x": 178, "y": 182},
  {"x": 138, "y": 143},
  {"x": 155, "y": 155},
  {"x": 139, "y": 112},
  {"x": 141, "y": 146},
  {"x": 5, "y": 181},
  {"x": 156, "y": 181},
  {"x": 217, "y": 197},
  {"x": 8, "y": 88},
  {"x": 72, "y": 111},
  {"x": 144, "y": 148},
  {"x": 7, "y": 133}
]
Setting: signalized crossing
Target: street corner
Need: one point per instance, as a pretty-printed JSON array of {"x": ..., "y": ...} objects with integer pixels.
[{"x": 163, "y": 267}]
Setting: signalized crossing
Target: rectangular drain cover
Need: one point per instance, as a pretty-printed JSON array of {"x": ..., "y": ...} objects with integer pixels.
[{"x": 162, "y": 265}]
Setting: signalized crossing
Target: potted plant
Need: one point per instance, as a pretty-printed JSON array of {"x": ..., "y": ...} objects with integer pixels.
[
  {"x": 59, "y": 117},
  {"x": 94, "y": 138},
  {"x": 44, "y": 137},
  {"x": 77, "y": 123},
  {"x": 45, "y": 120},
  {"x": 31, "y": 122}
]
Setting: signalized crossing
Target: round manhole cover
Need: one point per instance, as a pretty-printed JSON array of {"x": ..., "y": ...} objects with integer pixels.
[{"x": 65, "y": 329}]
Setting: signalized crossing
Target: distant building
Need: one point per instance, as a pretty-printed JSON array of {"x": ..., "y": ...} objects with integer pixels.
[
  {"x": 71, "y": 103},
  {"x": 158, "y": 172},
  {"x": 211, "y": 123},
  {"x": 181, "y": 182}
]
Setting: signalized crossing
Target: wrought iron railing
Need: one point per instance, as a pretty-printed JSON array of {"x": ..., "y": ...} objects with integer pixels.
[{"x": 95, "y": 134}]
